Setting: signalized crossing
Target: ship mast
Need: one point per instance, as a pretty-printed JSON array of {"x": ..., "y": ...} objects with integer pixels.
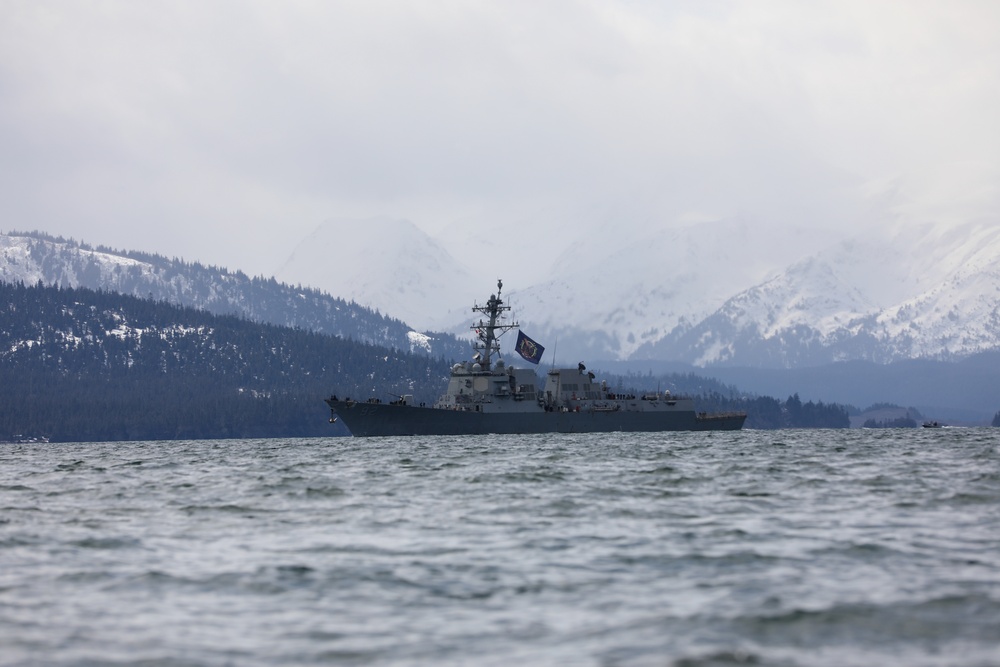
[{"x": 488, "y": 331}]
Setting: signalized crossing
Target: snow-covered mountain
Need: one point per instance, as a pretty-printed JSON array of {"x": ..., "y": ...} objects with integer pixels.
[
  {"x": 30, "y": 258},
  {"x": 959, "y": 312},
  {"x": 610, "y": 290},
  {"x": 389, "y": 265},
  {"x": 723, "y": 293},
  {"x": 608, "y": 304},
  {"x": 731, "y": 292},
  {"x": 922, "y": 292}
]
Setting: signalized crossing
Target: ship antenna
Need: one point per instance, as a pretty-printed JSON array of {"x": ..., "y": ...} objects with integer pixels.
[{"x": 489, "y": 331}]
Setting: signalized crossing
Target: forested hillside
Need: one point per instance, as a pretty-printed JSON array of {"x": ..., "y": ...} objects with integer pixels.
[
  {"x": 32, "y": 256},
  {"x": 77, "y": 364}
]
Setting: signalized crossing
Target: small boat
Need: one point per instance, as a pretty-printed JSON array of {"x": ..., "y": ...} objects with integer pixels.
[
  {"x": 486, "y": 395},
  {"x": 933, "y": 424}
]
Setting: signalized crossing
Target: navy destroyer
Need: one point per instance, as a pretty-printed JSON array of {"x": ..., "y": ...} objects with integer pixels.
[{"x": 485, "y": 395}]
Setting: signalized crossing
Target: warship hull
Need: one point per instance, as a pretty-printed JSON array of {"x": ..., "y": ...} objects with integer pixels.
[{"x": 384, "y": 419}]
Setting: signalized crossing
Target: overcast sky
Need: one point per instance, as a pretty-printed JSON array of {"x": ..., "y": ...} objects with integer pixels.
[{"x": 226, "y": 132}]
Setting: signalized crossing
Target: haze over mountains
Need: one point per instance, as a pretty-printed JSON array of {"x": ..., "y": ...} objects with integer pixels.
[
  {"x": 391, "y": 266},
  {"x": 829, "y": 305},
  {"x": 720, "y": 294},
  {"x": 728, "y": 293}
]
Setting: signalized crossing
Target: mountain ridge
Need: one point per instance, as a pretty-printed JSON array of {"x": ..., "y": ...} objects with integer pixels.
[
  {"x": 33, "y": 256},
  {"x": 712, "y": 294},
  {"x": 735, "y": 292},
  {"x": 389, "y": 265},
  {"x": 962, "y": 391},
  {"x": 818, "y": 310}
]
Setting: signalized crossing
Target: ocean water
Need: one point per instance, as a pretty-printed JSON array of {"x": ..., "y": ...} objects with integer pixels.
[{"x": 860, "y": 547}]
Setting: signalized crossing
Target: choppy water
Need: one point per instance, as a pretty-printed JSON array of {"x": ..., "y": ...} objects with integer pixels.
[{"x": 776, "y": 548}]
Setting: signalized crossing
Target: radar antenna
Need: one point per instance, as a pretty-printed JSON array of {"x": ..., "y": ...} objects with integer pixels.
[{"x": 488, "y": 332}]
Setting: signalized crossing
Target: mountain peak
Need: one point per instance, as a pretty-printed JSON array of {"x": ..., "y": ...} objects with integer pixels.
[{"x": 384, "y": 263}]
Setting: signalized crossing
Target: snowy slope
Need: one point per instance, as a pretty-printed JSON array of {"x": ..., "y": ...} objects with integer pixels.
[
  {"x": 392, "y": 266},
  {"x": 960, "y": 314},
  {"x": 27, "y": 260},
  {"x": 725, "y": 292},
  {"x": 616, "y": 293},
  {"x": 728, "y": 292},
  {"x": 30, "y": 258},
  {"x": 919, "y": 292}
]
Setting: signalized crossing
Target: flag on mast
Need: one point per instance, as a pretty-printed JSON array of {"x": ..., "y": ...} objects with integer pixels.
[{"x": 527, "y": 348}]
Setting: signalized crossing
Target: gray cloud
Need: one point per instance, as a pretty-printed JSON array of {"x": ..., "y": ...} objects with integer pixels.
[{"x": 226, "y": 131}]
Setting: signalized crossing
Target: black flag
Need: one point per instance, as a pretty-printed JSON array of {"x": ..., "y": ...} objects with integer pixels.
[{"x": 529, "y": 349}]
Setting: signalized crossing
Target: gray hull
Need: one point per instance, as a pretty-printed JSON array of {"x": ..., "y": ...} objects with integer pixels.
[{"x": 384, "y": 419}]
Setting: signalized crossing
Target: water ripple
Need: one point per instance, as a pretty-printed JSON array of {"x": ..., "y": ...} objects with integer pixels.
[{"x": 777, "y": 548}]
